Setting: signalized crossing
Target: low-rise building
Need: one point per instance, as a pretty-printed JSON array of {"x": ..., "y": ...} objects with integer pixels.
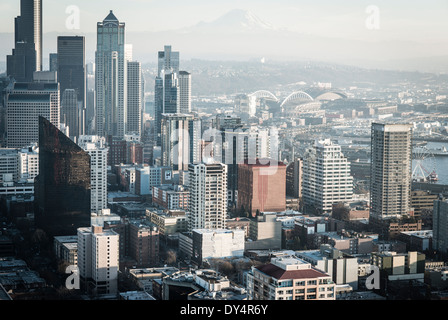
[
  {"x": 289, "y": 278},
  {"x": 135, "y": 296},
  {"x": 265, "y": 232},
  {"x": 400, "y": 266},
  {"x": 417, "y": 240},
  {"x": 172, "y": 197},
  {"x": 217, "y": 243},
  {"x": 201, "y": 284},
  {"x": 168, "y": 222},
  {"x": 342, "y": 267}
]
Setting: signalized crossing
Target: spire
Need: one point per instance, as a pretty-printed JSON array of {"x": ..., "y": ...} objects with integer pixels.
[{"x": 111, "y": 17}]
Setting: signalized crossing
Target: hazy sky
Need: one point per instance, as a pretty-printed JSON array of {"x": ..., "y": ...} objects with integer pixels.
[
  {"x": 399, "y": 19},
  {"x": 414, "y": 29}
]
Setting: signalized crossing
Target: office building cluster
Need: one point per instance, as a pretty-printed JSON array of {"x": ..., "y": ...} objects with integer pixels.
[{"x": 194, "y": 205}]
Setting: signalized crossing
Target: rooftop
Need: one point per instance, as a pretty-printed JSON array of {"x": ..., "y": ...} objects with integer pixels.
[{"x": 282, "y": 274}]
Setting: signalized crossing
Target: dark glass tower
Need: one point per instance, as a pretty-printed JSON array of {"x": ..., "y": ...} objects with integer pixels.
[
  {"x": 71, "y": 75},
  {"x": 62, "y": 188},
  {"x": 27, "y": 54}
]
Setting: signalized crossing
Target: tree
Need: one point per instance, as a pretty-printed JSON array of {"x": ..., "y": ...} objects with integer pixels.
[
  {"x": 341, "y": 212},
  {"x": 171, "y": 257},
  {"x": 225, "y": 267}
]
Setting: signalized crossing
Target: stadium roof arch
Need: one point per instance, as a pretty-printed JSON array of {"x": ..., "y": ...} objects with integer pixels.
[
  {"x": 264, "y": 94},
  {"x": 297, "y": 96}
]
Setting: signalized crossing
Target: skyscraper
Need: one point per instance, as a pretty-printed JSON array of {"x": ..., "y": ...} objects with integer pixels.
[
  {"x": 27, "y": 55},
  {"x": 71, "y": 67},
  {"x": 184, "y": 92},
  {"x": 294, "y": 172},
  {"x": 176, "y": 140},
  {"x": 391, "y": 170},
  {"x": 167, "y": 92},
  {"x": 70, "y": 112},
  {"x": 166, "y": 98},
  {"x": 326, "y": 177},
  {"x": 111, "y": 78},
  {"x": 440, "y": 226},
  {"x": 95, "y": 146},
  {"x": 168, "y": 60},
  {"x": 208, "y": 196},
  {"x": 25, "y": 102},
  {"x": 135, "y": 102},
  {"x": 62, "y": 188}
]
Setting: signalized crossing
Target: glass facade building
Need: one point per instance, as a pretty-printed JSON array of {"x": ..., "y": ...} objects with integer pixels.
[{"x": 62, "y": 188}]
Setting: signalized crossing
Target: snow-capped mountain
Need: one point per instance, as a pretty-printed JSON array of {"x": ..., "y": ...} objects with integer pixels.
[{"x": 236, "y": 20}]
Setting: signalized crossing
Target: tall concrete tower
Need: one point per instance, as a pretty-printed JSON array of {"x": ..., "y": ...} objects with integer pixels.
[{"x": 391, "y": 170}]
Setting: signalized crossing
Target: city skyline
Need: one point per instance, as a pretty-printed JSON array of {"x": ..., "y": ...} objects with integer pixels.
[
  {"x": 388, "y": 32},
  {"x": 137, "y": 165}
]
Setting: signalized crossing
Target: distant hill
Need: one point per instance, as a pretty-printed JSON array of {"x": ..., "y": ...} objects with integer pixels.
[{"x": 240, "y": 35}]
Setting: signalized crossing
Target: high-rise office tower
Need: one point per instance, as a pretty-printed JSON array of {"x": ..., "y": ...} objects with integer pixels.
[
  {"x": 62, "y": 188},
  {"x": 53, "y": 61},
  {"x": 326, "y": 177},
  {"x": 294, "y": 172},
  {"x": 27, "y": 55},
  {"x": 440, "y": 226},
  {"x": 25, "y": 102},
  {"x": 235, "y": 145},
  {"x": 195, "y": 140},
  {"x": 95, "y": 146},
  {"x": 71, "y": 67},
  {"x": 391, "y": 170},
  {"x": 166, "y": 90},
  {"x": 70, "y": 111},
  {"x": 98, "y": 260},
  {"x": 135, "y": 102},
  {"x": 166, "y": 98},
  {"x": 176, "y": 140},
  {"x": 184, "y": 92},
  {"x": 111, "y": 78},
  {"x": 208, "y": 196},
  {"x": 261, "y": 186},
  {"x": 168, "y": 60}
]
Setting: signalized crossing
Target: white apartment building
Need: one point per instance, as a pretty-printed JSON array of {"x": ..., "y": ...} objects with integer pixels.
[
  {"x": 95, "y": 146},
  {"x": 289, "y": 278},
  {"x": 98, "y": 258},
  {"x": 19, "y": 165},
  {"x": 207, "y": 207},
  {"x": 8, "y": 165},
  {"x": 218, "y": 243},
  {"x": 326, "y": 177},
  {"x": 147, "y": 177},
  {"x": 28, "y": 163}
]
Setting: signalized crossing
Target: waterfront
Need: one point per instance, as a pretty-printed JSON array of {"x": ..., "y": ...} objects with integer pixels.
[{"x": 439, "y": 163}]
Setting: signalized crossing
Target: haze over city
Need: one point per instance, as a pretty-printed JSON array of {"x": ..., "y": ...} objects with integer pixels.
[
  {"x": 241, "y": 152},
  {"x": 410, "y": 35}
]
